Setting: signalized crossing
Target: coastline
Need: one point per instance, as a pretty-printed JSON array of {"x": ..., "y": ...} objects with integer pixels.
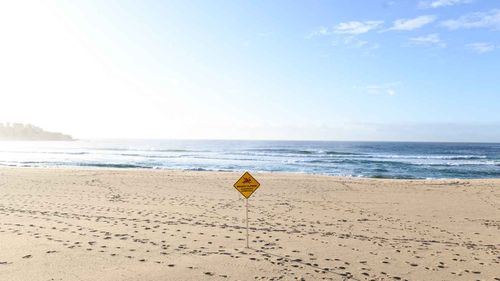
[
  {"x": 201, "y": 170},
  {"x": 150, "y": 224}
]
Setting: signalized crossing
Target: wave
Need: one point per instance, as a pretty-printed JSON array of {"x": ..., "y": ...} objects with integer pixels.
[
  {"x": 72, "y": 164},
  {"x": 440, "y": 157},
  {"x": 146, "y": 155},
  {"x": 449, "y": 164},
  {"x": 384, "y": 176},
  {"x": 144, "y": 150},
  {"x": 301, "y": 151},
  {"x": 351, "y": 161},
  {"x": 368, "y": 162},
  {"x": 281, "y": 150},
  {"x": 113, "y": 165},
  {"x": 46, "y": 152},
  {"x": 341, "y": 153}
]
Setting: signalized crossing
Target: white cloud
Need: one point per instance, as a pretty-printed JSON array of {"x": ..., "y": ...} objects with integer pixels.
[
  {"x": 482, "y": 47},
  {"x": 321, "y": 31},
  {"x": 442, "y": 3},
  {"x": 411, "y": 24},
  {"x": 490, "y": 19},
  {"x": 428, "y": 40},
  {"x": 384, "y": 88},
  {"x": 354, "y": 42},
  {"x": 357, "y": 27}
]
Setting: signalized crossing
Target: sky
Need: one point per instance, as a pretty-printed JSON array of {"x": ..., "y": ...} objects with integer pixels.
[{"x": 424, "y": 70}]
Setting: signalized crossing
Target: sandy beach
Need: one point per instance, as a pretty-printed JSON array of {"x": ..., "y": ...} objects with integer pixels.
[{"x": 100, "y": 224}]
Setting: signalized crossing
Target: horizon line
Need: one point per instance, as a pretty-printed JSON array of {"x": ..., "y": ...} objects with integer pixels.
[{"x": 282, "y": 140}]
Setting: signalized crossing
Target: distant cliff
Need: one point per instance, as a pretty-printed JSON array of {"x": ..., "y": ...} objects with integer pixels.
[{"x": 17, "y": 131}]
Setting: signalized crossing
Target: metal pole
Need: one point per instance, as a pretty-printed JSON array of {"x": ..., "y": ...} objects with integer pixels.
[{"x": 247, "y": 220}]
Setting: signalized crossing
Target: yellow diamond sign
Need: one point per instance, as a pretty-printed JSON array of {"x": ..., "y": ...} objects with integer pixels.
[{"x": 246, "y": 185}]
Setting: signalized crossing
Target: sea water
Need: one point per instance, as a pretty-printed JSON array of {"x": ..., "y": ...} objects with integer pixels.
[{"x": 357, "y": 159}]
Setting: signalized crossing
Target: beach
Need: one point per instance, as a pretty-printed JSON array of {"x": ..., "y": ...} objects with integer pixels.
[{"x": 145, "y": 224}]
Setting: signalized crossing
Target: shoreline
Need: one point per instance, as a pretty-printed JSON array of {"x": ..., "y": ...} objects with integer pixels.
[{"x": 76, "y": 168}]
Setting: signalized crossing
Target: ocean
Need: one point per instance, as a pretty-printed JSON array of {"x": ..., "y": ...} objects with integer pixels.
[{"x": 404, "y": 160}]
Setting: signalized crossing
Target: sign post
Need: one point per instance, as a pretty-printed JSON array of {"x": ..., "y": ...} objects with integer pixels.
[
  {"x": 246, "y": 200},
  {"x": 246, "y": 185}
]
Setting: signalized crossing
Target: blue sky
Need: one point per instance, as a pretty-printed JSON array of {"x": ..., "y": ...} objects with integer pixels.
[{"x": 328, "y": 70}]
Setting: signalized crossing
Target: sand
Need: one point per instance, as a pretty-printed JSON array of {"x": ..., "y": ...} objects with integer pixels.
[{"x": 65, "y": 224}]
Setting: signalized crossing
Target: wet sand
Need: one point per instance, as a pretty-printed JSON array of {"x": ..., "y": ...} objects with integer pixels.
[{"x": 66, "y": 224}]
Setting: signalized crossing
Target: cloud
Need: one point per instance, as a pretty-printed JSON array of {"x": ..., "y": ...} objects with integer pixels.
[
  {"x": 346, "y": 34},
  {"x": 442, "y": 3},
  {"x": 428, "y": 40},
  {"x": 482, "y": 47},
  {"x": 357, "y": 27},
  {"x": 384, "y": 88},
  {"x": 351, "y": 28},
  {"x": 411, "y": 24},
  {"x": 321, "y": 31},
  {"x": 354, "y": 42},
  {"x": 490, "y": 19}
]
